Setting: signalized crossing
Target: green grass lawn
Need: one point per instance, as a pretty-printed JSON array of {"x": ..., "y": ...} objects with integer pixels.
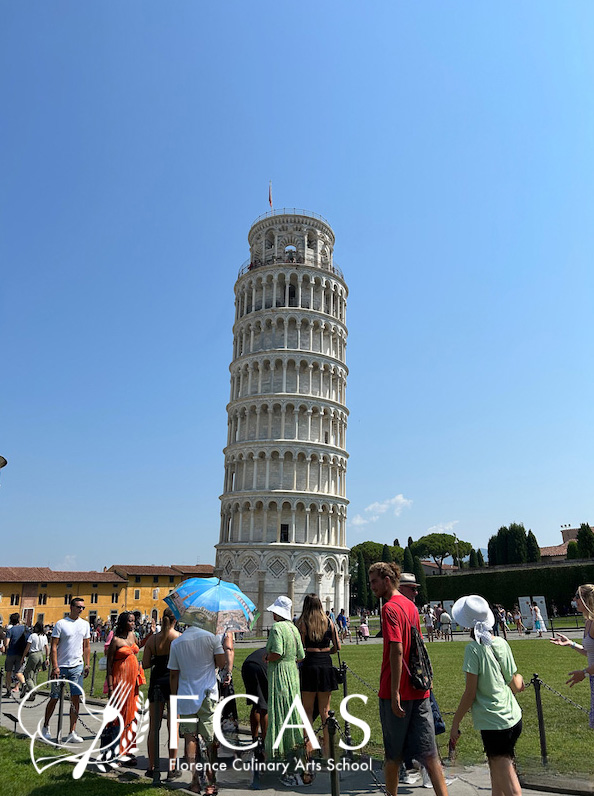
[
  {"x": 568, "y": 737},
  {"x": 21, "y": 779}
]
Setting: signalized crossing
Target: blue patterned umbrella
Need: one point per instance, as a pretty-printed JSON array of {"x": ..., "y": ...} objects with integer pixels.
[{"x": 212, "y": 604}]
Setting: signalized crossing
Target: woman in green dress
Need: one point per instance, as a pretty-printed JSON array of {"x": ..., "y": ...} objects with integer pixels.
[{"x": 284, "y": 649}]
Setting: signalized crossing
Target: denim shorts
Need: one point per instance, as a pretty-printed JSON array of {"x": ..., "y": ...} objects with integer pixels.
[
  {"x": 72, "y": 673},
  {"x": 13, "y": 663}
]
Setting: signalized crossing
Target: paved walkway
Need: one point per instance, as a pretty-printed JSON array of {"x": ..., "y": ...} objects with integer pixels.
[{"x": 237, "y": 779}]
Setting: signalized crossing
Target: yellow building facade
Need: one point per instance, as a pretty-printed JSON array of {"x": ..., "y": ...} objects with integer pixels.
[{"x": 41, "y": 594}]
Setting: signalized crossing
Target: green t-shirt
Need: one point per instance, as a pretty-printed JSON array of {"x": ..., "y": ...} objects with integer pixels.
[{"x": 495, "y": 706}]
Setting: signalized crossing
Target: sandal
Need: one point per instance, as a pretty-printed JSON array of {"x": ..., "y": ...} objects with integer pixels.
[{"x": 211, "y": 790}]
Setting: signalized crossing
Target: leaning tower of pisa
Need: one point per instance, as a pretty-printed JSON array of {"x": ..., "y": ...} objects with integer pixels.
[{"x": 283, "y": 507}]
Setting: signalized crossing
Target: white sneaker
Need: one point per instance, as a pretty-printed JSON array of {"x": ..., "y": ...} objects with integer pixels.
[
  {"x": 426, "y": 778},
  {"x": 73, "y": 738},
  {"x": 409, "y": 779},
  {"x": 46, "y": 734}
]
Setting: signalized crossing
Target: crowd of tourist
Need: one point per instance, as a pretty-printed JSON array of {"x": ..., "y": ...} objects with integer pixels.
[{"x": 295, "y": 675}]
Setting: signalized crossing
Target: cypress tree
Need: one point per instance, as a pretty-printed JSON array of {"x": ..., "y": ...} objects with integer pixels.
[
  {"x": 408, "y": 560},
  {"x": 473, "y": 559},
  {"x": 480, "y": 558},
  {"x": 517, "y": 546},
  {"x": 396, "y": 542},
  {"x": 533, "y": 549},
  {"x": 492, "y": 551},
  {"x": 386, "y": 554},
  {"x": 410, "y": 542},
  {"x": 585, "y": 541},
  {"x": 362, "y": 595},
  {"x": 502, "y": 545},
  {"x": 419, "y": 573},
  {"x": 572, "y": 550}
]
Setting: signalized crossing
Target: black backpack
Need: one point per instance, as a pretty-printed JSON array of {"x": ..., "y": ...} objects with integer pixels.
[{"x": 419, "y": 665}]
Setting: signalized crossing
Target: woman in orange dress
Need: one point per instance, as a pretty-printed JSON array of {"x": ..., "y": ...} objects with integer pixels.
[{"x": 124, "y": 666}]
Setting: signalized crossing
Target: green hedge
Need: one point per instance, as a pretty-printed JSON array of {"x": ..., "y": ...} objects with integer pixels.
[{"x": 554, "y": 583}]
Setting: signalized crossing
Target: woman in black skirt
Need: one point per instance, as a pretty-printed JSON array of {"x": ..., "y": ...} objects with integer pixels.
[{"x": 318, "y": 675}]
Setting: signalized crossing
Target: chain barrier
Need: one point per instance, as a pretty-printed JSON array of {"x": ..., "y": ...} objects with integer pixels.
[
  {"x": 564, "y": 698},
  {"x": 35, "y": 704},
  {"x": 372, "y": 688}
]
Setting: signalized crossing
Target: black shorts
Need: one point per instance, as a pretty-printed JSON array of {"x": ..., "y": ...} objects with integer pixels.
[
  {"x": 255, "y": 680},
  {"x": 501, "y": 743}
]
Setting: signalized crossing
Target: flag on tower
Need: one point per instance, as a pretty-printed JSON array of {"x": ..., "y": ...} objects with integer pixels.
[{"x": 270, "y": 194}]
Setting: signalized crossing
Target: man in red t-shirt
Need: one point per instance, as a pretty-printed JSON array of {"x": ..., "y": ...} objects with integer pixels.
[{"x": 405, "y": 712}]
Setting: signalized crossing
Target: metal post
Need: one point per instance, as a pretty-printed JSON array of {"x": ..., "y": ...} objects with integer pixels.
[
  {"x": 541, "y": 727},
  {"x": 60, "y": 711},
  {"x": 334, "y": 775},
  {"x": 93, "y": 673},
  {"x": 155, "y": 708},
  {"x": 347, "y": 726}
]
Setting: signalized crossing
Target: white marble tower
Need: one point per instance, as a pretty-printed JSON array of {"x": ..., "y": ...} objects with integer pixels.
[{"x": 283, "y": 507}]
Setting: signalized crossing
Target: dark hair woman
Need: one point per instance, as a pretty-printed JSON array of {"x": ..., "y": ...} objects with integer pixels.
[
  {"x": 318, "y": 675},
  {"x": 36, "y": 653},
  {"x": 123, "y": 669},
  {"x": 155, "y": 657}
]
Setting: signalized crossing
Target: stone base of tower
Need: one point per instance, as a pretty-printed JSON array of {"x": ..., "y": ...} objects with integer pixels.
[{"x": 263, "y": 572}]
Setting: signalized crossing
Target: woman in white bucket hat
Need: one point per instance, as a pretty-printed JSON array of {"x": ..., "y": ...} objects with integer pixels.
[
  {"x": 492, "y": 680},
  {"x": 283, "y": 650}
]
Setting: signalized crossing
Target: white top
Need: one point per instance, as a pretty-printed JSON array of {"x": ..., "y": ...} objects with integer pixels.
[
  {"x": 588, "y": 645},
  {"x": 445, "y": 619},
  {"x": 38, "y": 642},
  {"x": 70, "y": 634},
  {"x": 192, "y": 654}
]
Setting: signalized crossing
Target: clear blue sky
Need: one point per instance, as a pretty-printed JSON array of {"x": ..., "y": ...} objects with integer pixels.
[{"x": 450, "y": 147}]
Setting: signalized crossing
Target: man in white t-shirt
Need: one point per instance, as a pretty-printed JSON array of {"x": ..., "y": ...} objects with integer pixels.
[
  {"x": 192, "y": 660},
  {"x": 69, "y": 655}
]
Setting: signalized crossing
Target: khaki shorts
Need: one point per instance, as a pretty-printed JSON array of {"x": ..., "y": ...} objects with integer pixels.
[{"x": 200, "y": 722}]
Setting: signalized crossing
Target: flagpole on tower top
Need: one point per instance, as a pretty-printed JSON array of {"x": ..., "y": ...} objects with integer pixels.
[{"x": 270, "y": 194}]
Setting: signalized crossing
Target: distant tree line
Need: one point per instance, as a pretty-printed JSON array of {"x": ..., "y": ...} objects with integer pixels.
[
  {"x": 513, "y": 545},
  {"x": 583, "y": 546}
]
